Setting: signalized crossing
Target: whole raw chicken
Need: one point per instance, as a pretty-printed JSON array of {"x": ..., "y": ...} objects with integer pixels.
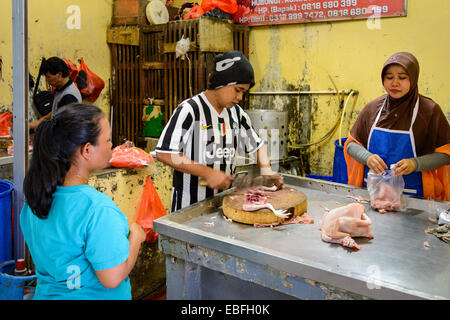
[{"x": 341, "y": 224}]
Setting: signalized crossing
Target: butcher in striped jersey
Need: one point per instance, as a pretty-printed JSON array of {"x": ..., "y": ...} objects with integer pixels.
[{"x": 206, "y": 132}]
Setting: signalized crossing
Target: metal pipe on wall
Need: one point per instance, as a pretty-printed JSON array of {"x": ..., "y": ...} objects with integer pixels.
[
  {"x": 309, "y": 92},
  {"x": 301, "y": 92},
  {"x": 20, "y": 114}
]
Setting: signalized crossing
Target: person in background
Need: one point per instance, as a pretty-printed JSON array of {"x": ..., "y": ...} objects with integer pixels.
[
  {"x": 56, "y": 74},
  {"x": 405, "y": 129},
  {"x": 205, "y": 132},
  {"x": 80, "y": 241},
  {"x": 33, "y": 114}
]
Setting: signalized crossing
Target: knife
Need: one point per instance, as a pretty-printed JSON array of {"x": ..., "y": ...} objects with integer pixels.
[{"x": 241, "y": 180}]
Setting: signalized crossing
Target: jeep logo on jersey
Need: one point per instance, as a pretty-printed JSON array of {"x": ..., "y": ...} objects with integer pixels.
[
  {"x": 219, "y": 154},
  {"x": 225, "y": 64}
]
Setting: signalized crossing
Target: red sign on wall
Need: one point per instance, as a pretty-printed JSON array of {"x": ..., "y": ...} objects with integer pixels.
[{"x": 262, "y": 12}]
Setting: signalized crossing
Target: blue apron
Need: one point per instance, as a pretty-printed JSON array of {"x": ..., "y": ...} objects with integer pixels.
[{"x": 393, "y": 146}]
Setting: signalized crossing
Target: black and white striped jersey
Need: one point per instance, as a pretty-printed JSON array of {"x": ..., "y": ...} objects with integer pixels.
[{"x": 201, "y": 134}]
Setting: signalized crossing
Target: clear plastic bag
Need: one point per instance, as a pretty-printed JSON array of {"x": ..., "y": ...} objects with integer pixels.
[
  {"x": 386, "y": 191},
  {"x": 182, "y": 47},
  {"x": 437, "y": 212}
]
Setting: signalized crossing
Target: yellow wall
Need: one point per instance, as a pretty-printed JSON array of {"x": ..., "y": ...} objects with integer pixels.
[
  {"x": 285, "y": 57},
  {"x": 50, "y": 36},
  {"x": 125, "y": 186},
  {"x": 301, "y": 56}
]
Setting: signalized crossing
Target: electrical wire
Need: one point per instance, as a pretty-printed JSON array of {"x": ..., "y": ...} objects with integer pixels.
[
  {"x": 325, "y": 137},
  {"x": 329, "y": 133},
  {"x": 332, "y": 130},
  {"x": 342, "y": 117},
  {"x": 152, "y": 290},
  {"x": 189, "y": 75}
]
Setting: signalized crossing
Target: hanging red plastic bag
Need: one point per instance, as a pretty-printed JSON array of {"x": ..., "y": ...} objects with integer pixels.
[
  {"x": 240, "y": 13},
  {"x": 5, "y": 124},
  {"x": 73, "y": 70},
  {"x": 89, "y": 84},
  {"x": 194, "y": 13},
  {"x": 228, "y": 6},
  {"x": 150, "y": 209},
  {"x": 129, "y": 156}
]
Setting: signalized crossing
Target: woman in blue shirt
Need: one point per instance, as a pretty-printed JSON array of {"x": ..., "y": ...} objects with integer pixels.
[{"x": 79, "y": 239}]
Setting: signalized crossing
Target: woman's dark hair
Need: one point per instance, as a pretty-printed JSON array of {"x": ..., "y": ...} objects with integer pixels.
[
  {"x": 55, "y": 142},
  {"x": 55, "y": 65}
]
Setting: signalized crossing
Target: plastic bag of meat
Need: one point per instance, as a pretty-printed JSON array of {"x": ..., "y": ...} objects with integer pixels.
[
  {"x": 386, "y": 191},
  {"x": 129, "y": 156},
  {"x": 341, "y": 224},
  {"x": 6, "y": 124}
]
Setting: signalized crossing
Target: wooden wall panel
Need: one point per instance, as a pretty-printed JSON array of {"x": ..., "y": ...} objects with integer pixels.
[
  {"x": 151, "y": 72},
  {"x": 126, "y": 96}
]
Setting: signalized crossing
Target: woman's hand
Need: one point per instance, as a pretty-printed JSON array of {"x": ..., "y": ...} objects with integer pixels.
[
  {"x": 376, "y": 164},
  {"x": 136, "y": 233},
  {"x": 218, "y": 180},
  {"x": 113, "y": 277},
  {"x": 404, "y": 167}
]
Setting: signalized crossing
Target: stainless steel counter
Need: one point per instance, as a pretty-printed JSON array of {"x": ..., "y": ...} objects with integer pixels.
[
  {"x": 293, "y": 259},
  {"x": 6, "y": 160}
]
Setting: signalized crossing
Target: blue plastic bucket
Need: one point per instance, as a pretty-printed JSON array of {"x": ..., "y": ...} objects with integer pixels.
[
  {"x": 6, "y": 189},
  {"x": 339, "y": 164},
  {"x": 11, "y": 286}
]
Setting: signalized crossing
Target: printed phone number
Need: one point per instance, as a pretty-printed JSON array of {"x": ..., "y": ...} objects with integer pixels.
[
  {"x": 336, "y": 4},
  {"x": 322, "y": 15},
  {"x": 326, "y": 4}
]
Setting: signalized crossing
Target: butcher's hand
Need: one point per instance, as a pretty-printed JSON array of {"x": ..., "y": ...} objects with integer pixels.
[
  {"x": 271, "y": 178},
  {"x": 376, "y": 164},
  {"x": 404, "y": 167},
  {"x": 218, "y": 179}
]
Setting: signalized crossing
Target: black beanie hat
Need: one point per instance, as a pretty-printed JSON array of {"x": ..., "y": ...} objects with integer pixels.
[{"x": 231, "y": 67}]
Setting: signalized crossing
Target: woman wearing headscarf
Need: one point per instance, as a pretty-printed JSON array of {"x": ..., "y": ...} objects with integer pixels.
[{"x": 405, "y": 129}]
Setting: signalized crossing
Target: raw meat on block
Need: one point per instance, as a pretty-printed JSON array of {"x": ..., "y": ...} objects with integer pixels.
[{"x": 254, "y": 198}]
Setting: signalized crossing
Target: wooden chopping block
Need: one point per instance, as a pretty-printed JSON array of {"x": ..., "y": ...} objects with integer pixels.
[{"x": 287, "y": 198}]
